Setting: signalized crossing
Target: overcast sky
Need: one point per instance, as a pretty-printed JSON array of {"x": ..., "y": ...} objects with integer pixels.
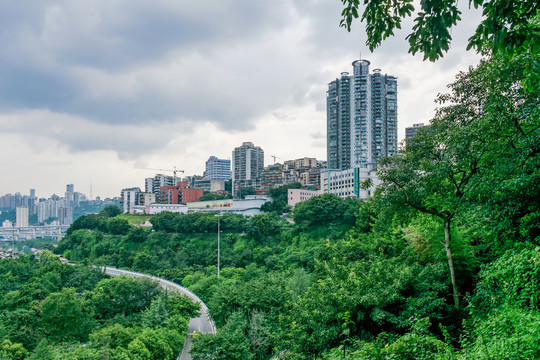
[{"x": 93, "y": 91}]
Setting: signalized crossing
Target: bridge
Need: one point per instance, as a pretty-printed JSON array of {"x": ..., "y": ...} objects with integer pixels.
[
  {"x": 21, "y": 233},
  {"x": 201, "y": 324}
]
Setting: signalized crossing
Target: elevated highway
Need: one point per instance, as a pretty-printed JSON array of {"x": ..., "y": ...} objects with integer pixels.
[
  {"x": 202, "y": 324},
  {"x": 19, "y": 233}
]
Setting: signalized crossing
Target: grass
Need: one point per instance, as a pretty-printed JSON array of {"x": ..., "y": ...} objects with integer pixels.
[{"x": 134, "y": 219}]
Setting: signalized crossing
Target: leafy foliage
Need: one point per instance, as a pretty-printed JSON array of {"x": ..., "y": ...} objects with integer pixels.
[{"x": 50, "y": 310}]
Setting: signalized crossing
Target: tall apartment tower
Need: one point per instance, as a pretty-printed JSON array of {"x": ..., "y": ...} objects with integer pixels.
[
  {"x": 21, "y": 216},
  {"x": 361, "y": 111},
  {"x": 218, "y": 169},
  {"x": 247, "y": 164},
  {"x": 69, "y": 196}
]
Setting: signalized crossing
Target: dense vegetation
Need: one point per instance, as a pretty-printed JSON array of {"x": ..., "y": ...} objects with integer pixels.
[
  {"x": 443, "y": 263},
  {"x": 50, "y": 310}
]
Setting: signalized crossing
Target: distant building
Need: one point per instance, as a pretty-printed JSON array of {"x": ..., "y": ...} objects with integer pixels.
[
  {"x": 218, "y": 169},
  {"x": 146, "y": 198},
  {"x": 48, "y": 208},
  {"x": 347, "y": 183},
  {"x": 248, "y": 164},
  {"x": 295, "y": 196},
  {"x": 411, "y": 131},
  {"x": 70, "y": 195},
  {"x": 273, "y": 176},
  {"x": 249, "y": 206},
  {"x": 179, "y": 193},
  {"x": 130, "y": 198},
  {"x": 311, "y": 177},
  {"x": 153, "y": 185},
  {"x": 361, "y": 114},
  {"x": 210, "y": 185},
  {"x": 154, "y": 209},
  {"x": 65, "y": 215},
  {"x": 22, "y": 216},
  {"x": 300, "y": 164}
]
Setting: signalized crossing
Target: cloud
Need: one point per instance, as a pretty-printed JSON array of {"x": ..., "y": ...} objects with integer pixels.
[{"x": 172, "y": 82}]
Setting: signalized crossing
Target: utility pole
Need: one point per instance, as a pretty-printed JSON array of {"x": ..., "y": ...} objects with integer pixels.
[
  {"x": 13, "y": 240},
  {"x": 218, "y": 243}
]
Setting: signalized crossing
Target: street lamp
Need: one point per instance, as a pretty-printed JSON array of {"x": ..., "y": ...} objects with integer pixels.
[
  {"x": 13, "y": 240},
  {"x": 218, "y": 240}
]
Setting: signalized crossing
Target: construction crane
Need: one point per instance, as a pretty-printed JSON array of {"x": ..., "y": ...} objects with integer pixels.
[
  {"x": 274, "y": 157},
  {"x": 174, "y": 171}
]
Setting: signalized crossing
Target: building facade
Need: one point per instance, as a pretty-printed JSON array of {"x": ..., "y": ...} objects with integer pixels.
[
  {"x": 22, "y": 216},
  {"x": 248, "y": 164},
  {"x": 210, "y": 185},
  {"x": 130, "y": 198},
  {"x": 361, "y": 112},
  {"x": 218, "y": 169},
  {"x": 411, "y": 131},
  {"x": 349, "y": 183},
  {"x": 295, "y": 196},
  {"x": 179, "y": 194},
  {"x": 152, "y": 185}
]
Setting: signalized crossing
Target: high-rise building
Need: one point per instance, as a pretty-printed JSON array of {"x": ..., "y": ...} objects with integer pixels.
[
  {"x": 361, "y": 117},
  {"x": 218, "y": 169},
  {"x": 22, "y": 216},
  {"x": 247, "y": 164},
  {"x": 411, "y": 131},
  {"x": 65, "y": 215},
  {"x": 69, "y": 196}
]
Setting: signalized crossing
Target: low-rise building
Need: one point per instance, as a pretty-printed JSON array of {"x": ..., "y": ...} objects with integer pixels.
[
  {"x": 154, "y": 209},
  {"x": 179, "y": 194},
  {"x": 348, "y": 183},
  {"x": 130, "y": 198},
  {"x": 295, "y": 196},
  {"x": 210, "y": 185}
]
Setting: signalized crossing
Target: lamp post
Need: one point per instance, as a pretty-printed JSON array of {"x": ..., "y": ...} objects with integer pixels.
[
  {"x": 13, "y": 239},
  {"x": 218, "y": 242}
]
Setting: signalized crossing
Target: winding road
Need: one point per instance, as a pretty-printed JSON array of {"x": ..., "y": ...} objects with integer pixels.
[{"x": 201, "y": 324}]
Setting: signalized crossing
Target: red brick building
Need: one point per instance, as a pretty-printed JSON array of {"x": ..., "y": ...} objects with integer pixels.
[{"x": 179, "y": 193}]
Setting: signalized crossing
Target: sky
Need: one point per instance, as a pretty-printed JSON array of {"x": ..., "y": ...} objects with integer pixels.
[{"x": 99, "y": 94}]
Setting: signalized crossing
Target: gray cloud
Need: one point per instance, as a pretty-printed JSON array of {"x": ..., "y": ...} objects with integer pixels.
[{"x": 100, "y": 70}]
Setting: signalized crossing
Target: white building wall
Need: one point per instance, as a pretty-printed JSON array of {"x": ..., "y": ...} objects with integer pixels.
[
  {"x": 294, "y": 196},
  {"x": 346, "y": 183}
]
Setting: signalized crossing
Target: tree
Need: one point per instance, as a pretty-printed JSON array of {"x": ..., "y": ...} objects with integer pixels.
[
  {"x": 279, "y": 196},
  {"x": 137, "y": 235},
  {"x": 117, "y": 226},
  {"x": 90, "y": 222},
  {"x": 213, "y": 196},
  {"x": 156, "y": 315},
  {"x": 244, "y": 191},
  {"x": 110, "y": 211},
  {"x": 324, "y": 209},
  {"x": 122, "y": 295},
  {"x": 263, "y": 225},
  {"x": 12, "y": 351},
  {"x": 508, "y": 26},
  {"x": 433, "y": 176},
  {"x": 63, "y": 316},
  {"x": 112, "y": 337}
]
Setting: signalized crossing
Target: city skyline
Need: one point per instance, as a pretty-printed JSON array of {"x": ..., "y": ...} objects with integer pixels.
[{"x": 93, "y": 93}]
